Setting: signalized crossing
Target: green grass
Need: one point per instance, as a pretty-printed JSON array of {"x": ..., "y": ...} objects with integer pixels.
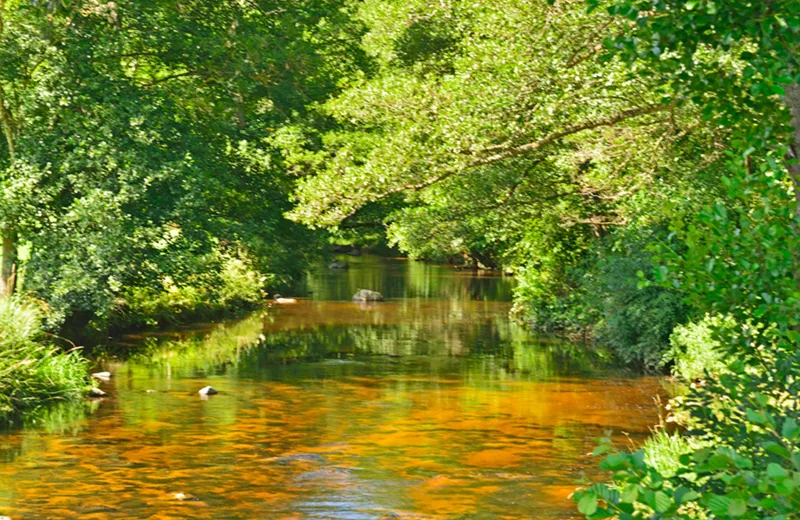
[
  {"x": 663, "y": 451},
  {"x": 31, "y": 372}
]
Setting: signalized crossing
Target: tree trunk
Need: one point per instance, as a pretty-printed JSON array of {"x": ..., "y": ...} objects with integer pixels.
[
  {"x": 792, "y": 100},
  {"x": 8, "y": 264},
  {"x": 8, "y": 269}
]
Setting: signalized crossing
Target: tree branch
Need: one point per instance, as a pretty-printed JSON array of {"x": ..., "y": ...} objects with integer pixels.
[
  {"x": 173, "y": 76},
  {"x": 570, "y": 130}
]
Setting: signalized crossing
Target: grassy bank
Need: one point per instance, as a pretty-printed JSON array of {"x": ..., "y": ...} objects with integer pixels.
[{"x": 33, "y": 373}]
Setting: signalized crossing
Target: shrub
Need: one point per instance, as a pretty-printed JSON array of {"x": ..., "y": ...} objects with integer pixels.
[
  {"x": 600, "y": 292},
  {"x": 226, "y": 282},
  {"x": 694, "y": 349}
]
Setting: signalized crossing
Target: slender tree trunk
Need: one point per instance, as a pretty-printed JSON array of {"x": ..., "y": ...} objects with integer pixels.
[
  {"x": 8, "y": 269},
  {"x": 8, "y": 265},
  {"x": 792, "y": 101}
]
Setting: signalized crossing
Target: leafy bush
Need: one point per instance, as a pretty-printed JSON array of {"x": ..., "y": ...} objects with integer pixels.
[
  {"x": 599, "y": 292},
  {"x": 738, "y": 263},
  {"x": 32, "y": 373},
  {"x": 694, "y": 349},
  {"x": 226, "y": 282}
]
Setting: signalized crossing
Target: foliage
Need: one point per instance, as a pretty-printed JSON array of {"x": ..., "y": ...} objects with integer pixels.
[
  {"x": 739, "y": 261},
  {"x": 593, "y": 291},
  {"x": 222, "y": 283},
  {"x": 663, "y": 451},
  {"x": 695, "y": 351},
  {"x": 494, "y": 135},
  {"x": 137, "y": 138},
  {"x": 32, "y": 373}
]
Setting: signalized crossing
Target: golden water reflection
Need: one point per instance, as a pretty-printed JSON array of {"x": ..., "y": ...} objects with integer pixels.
[{"x": 415, "y": 408}]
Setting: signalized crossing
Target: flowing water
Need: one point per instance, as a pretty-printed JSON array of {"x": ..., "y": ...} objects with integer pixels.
[{"x": 432, "y": 404}]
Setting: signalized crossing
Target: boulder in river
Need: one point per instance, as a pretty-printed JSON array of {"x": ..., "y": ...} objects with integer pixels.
[
  {"x": 365, "y": 295},
  {"x": 354, "y": 252},
  {"x": 207, "y": 390},
  {"x": 102, "y": 376},
  {"x": 338, "y": 264}
]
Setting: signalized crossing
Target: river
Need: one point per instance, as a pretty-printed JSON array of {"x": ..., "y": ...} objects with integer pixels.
[{"x": 432, "y": 404}]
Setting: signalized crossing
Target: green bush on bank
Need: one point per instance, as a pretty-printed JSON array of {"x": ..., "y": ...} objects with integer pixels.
[
  {"x": 32, "y": 373},
  {"x": 694, "y": 349},
  {"x": 228, "y": 283},
  {"x": 597, "y": 296}
]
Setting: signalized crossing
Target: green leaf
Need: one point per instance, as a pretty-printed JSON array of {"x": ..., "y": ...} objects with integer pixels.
[
  {"x": 600, "y": 450},
  {"x": 718, "y": 504},
  {"x": 662, "y": 502},
  {"x": 755, "y": 417},
  {"x": 789, "y": 429},
  {"x": 775, "y": 470},
  {"x": 737, "y": 507},
  {"x": 629, "y": 494},
  {"x": 777, "y": 449},
  {"x": 684, "y": 495},
  {"x": 588, "y": 504}
]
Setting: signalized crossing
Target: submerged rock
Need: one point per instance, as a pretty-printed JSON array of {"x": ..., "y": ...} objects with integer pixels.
[
  {"x": 354, "y": 252},
  {"x": 341, "y": 362},
  {"x": 292, "y": 458},
  {"x": 206, "y": 391},
  {"x": 365, "y": 295},
  {"x": 102, "y": 376},
  {"x": 338, "y": 264},
  {"x": 334, "y": 473}
]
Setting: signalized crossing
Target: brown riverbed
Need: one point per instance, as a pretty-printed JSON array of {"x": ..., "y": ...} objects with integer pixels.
[{"x": 429, "y": 405}]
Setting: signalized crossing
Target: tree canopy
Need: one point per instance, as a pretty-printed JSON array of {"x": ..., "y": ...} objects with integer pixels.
[{"x": 137, "y": 136}]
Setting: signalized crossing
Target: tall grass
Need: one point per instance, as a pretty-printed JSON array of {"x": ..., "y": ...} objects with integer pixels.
[{"x": 31, "y": 372}]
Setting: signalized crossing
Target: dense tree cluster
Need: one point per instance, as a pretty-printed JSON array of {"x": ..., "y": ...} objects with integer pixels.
[{"x": 135, "y": 150}]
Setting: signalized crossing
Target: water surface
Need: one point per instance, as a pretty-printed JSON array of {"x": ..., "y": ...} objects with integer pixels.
[{"x": 432, "y": 404}]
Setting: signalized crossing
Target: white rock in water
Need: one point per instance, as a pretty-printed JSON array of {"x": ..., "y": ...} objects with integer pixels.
[
  {"x": 103, "y": 376},
  {"x": 207, "y": 390},
  {"x": 281, "y": 300},
  {"x": 365, "y": 295},
  {"x": 337, "y": 264},
  {"x": 94, "y": 392}
]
